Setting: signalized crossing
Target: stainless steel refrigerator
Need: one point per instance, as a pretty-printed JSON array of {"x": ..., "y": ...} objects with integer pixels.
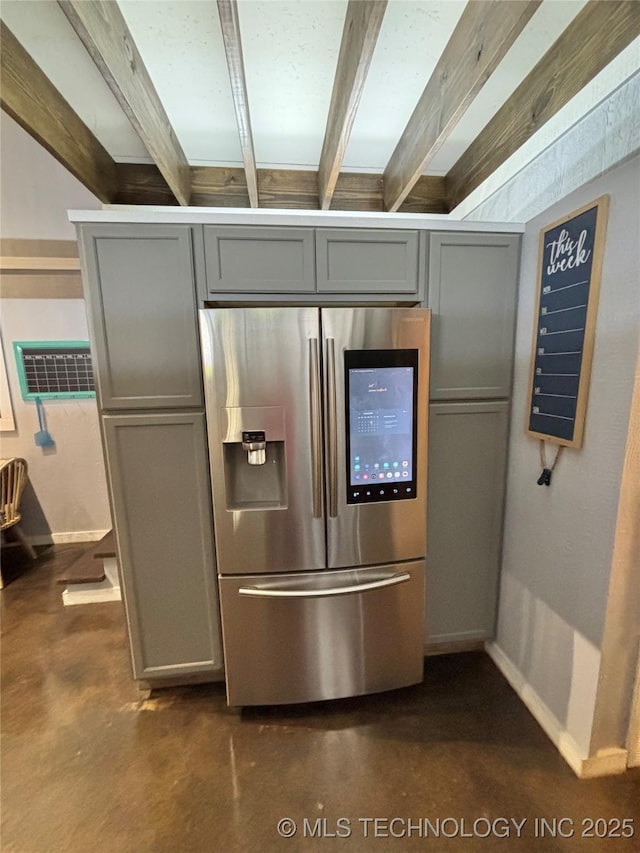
[{"x": 317, "y": 426}]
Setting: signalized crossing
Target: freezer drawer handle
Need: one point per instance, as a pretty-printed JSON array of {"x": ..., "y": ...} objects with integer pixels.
[{"x": 260, "y": 592}]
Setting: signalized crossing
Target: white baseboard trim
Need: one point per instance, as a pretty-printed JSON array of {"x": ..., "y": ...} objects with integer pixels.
[
  {"x": 90, "y": 593},
  {"x": 95, "y": 593},
  {"x": 458, "y": 637},
  {"x": 69, "y": 537},
  {"x": 606, "y": 762},
  {"x": 453, "y": 647}
]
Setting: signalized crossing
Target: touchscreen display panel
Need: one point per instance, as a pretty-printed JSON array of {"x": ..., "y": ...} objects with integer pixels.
[{"x": 381, "y": 412}]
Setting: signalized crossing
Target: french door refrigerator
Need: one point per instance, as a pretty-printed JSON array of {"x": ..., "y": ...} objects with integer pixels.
[{"x": 317, "y": 426}]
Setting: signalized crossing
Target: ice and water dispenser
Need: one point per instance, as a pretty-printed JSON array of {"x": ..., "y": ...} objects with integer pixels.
[{"x": 255, "y": 468}]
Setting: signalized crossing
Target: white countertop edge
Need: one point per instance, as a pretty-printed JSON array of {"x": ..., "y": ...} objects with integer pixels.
[{"x": 161, "y": 214}]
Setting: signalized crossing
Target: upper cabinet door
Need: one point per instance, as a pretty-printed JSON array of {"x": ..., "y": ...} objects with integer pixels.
[
  {"x": 259, "y": 259},
  {"x": 366, "y": 261},
  {"x": 472, "y": 293},
  {"x": 139, "y": 283}
]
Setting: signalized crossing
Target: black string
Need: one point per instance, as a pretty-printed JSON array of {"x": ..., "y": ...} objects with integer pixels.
[{"x": 545, "y": 478}]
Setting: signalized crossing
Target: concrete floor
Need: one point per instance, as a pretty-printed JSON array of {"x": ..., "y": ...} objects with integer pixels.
[{"x": 90, "y": 766}]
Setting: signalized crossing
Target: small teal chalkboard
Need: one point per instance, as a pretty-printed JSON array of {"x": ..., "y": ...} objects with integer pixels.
[{"x": 54, "y": 370}]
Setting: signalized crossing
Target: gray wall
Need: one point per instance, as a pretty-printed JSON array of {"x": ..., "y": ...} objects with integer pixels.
[
  {"x": 558, "y": 540},
  {"x": 36, "y": 190},
  {"x": 68, "y": 494},
  {"x": 569, "y": 150}
]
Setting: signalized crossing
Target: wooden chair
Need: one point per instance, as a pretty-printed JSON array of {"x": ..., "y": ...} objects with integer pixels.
[{"x": 13, "y": 478}]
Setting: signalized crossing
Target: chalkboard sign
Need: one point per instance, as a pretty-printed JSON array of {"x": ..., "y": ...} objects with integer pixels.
[
  {"x": 570, "y": 264},
  {"x": 54, "y": 369}
]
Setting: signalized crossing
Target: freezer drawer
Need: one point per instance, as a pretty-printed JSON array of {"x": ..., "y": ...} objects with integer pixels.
[{"x": 322, "y": 635}]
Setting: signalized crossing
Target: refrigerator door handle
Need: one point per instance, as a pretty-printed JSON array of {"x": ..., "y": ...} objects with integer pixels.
[
  {"x": 332, "y": 429},
  {"x": 265, "y": 592},
  {"x": 316, "y": 427}
]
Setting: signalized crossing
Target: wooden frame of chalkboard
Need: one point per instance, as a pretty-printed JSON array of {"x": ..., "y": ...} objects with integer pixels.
[{"x": 569, "y": 274}]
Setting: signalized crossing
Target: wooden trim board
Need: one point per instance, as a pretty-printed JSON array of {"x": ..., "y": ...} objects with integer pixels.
[
  {"x": 18, "y": 247},
  {"x": 14, "y": 264},
  {"x": 633, "y": 736},
  {"x": 39, "y": 269},
  {"x": 103, "y": 30},
  {"x": 230, "y": 25},
  {"x": 616, "y": 718},
  {"x": 361, "y": 29},
  {"x": 20, "y": 285},
  {"x": 482, "y": 37}
]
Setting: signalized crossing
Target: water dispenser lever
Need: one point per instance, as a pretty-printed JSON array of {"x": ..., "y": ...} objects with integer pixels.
[{"x": 255, "y": 443}]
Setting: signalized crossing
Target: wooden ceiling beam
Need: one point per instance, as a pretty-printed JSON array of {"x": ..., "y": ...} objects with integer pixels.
[
  {"x": 290, "y": 189},
  {"x": 485, "y": 32},
  {"x": 30, "y": 98},
  {"x": 102, "y": 29},
  {"x": 228, "y": 12},
  {"x": 361, "y": 28},
  {"x": 593, "y": 39}
]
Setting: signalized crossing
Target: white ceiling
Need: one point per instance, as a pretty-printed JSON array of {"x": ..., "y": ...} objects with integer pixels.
[{"x": 290, "y": 54}]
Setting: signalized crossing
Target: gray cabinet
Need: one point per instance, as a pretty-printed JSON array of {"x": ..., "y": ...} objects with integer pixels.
[
  {"x": 140, "y": 288},
  {"x": 467, "y": 459},
  {"x": 312, "y": 265},
  {"x": 140, "y": 284},
  {"x": 472, "y": 293},
  {"x": 259, "y": 259},
  {"x": 158, "y": 476},
  {"x": 366, "y": 261}
]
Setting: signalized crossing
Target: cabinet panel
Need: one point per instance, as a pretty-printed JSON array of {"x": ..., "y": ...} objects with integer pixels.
[
  {"x": 158, "y": 476},
  {"x": 140, "y": 288},
  {"x": 259, "y": 259},
  {"x": 472, "y": 292},
  {"x": 467, "y": 458},
  {"x": 366, "y": 261}
]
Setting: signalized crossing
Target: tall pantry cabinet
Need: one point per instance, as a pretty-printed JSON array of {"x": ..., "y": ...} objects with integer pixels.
[
  {"x": 140, "y": 287},
  {"x": 472, "y": 290}
]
